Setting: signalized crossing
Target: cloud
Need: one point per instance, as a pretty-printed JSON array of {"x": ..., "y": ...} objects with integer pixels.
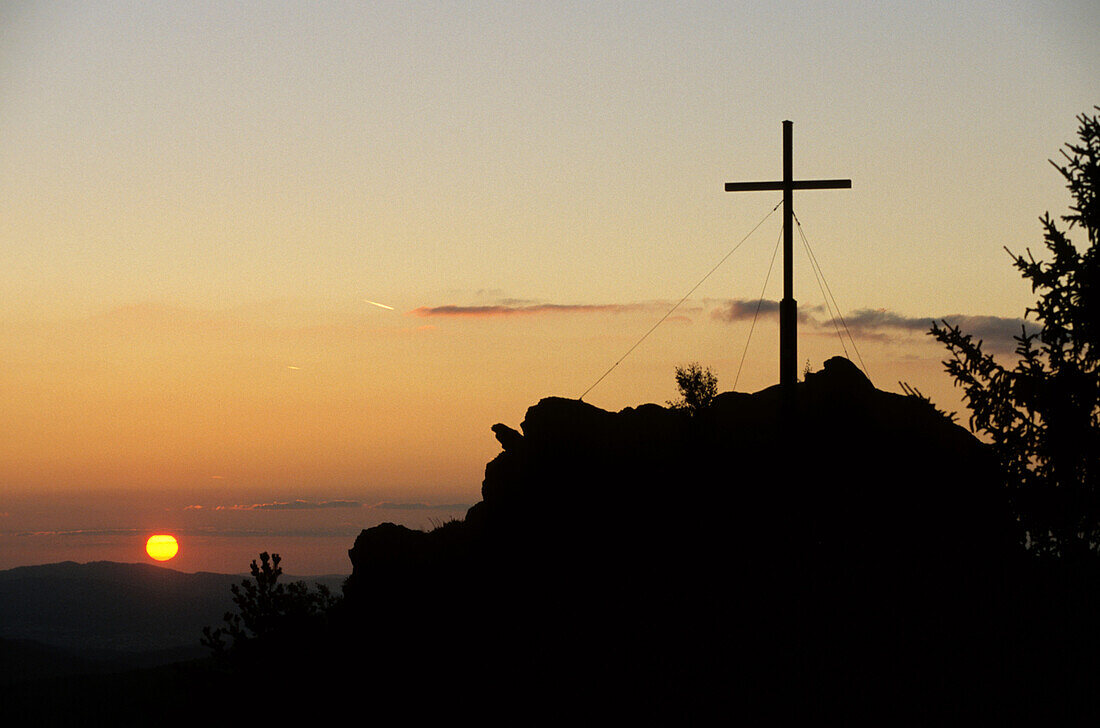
[
  {"x": 390, "y": 506},
  {"x": 317, "y": 531},
  {"x": 525, "y": 309},
  {"x": 996, "y": 331},
  {"x": 992, "y": 327},
  {"x": 338, "y": 531},
  {"x": 740, "y": 309},
  {"x": 303, "y": 505},
  {"x": 83, "y": 532},
  {"x": 882, "y": 324},
  {"x": 295, "y": 320},
  {"x": 294, "y": 505},
  {"x": 868, "y": 319}
]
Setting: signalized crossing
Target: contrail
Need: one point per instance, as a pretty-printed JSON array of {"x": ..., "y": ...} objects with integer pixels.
[{"x": 379, "y": 305}]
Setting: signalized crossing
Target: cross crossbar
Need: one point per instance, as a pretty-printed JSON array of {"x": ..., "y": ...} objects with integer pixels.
[
  {"x": 798, "y": 184},
  {"x": 788, "y": 307}
]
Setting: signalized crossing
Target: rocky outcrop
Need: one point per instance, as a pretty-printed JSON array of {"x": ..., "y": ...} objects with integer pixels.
[
  {"x": 647, "y": 553},
  {"x": 860, "y": 475}
]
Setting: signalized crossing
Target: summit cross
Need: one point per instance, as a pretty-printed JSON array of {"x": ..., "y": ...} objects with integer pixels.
[{"x": 788, "y": 307}]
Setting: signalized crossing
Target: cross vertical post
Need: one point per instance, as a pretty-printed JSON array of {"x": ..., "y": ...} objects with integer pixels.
[{"x": 788, "y": 307}]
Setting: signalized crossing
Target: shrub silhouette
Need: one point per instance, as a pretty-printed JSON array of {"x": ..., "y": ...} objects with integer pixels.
[
  {"x": 698, "y": 388},
  {"x": 268, "y": 607}
]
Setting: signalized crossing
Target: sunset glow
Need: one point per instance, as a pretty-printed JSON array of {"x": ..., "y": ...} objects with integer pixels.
[
  {"x": 199, "y": 197},
  {"x": 162, "y": 547}
]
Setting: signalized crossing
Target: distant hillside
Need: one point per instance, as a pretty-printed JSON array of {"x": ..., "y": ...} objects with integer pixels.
[{"x": 69, "y": 618}]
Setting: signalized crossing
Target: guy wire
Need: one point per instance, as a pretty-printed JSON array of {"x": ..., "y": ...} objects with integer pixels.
[
  {"x": 759, "y": 302},
  {"x": 821, "y": 280},
  {"x": 685, "y": 297}
]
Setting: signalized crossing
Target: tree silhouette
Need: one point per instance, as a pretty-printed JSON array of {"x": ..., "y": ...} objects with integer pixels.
[
  {"x": 267, "y": 607},
  {"x": 698, "y": 387},
  {"x": 1043, "y": 415}
]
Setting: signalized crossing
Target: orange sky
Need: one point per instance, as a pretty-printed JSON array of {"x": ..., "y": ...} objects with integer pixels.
[{"x": 204, "y": 204}]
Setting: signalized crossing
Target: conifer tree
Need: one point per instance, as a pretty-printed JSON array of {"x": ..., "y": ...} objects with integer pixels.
[
  {"x": 267, "y": 607},
  {"x": 1043, "y": 415}
]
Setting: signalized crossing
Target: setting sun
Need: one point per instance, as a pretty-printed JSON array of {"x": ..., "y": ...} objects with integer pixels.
[{"x": 162, "y": 547}]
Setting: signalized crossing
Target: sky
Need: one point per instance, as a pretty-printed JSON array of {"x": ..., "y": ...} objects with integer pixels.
[{"x": 269, "y": 272}]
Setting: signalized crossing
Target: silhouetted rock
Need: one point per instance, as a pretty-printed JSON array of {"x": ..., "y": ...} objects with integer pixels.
[{"x": 667, "y": 563}]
